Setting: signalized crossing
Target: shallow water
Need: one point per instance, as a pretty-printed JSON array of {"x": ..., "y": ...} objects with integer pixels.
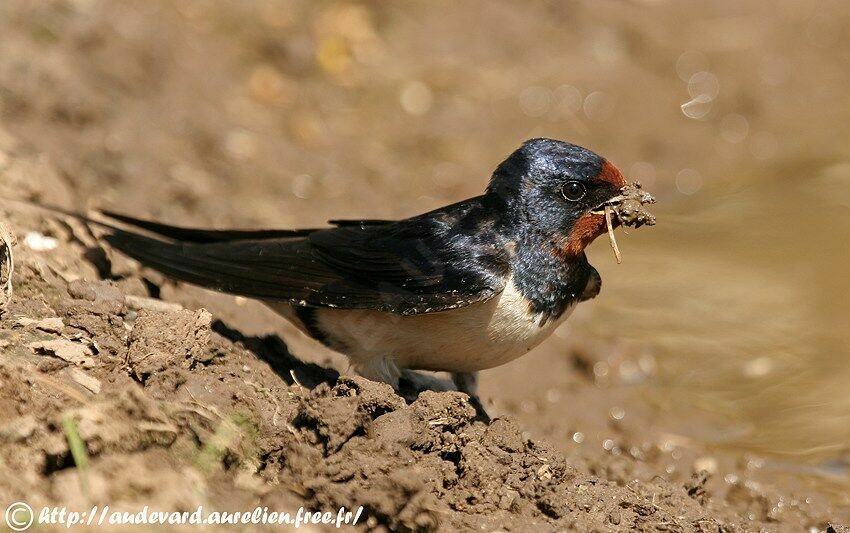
[{"x": 741, "y": 293}]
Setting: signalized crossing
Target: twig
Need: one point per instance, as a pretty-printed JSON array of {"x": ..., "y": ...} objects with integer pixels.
[
  {"x": 7, "y": 265},
  {"x": 611, "y": 234}
]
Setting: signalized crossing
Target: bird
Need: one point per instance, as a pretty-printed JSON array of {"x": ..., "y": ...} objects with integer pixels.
[{"x": 460, "y": 289}]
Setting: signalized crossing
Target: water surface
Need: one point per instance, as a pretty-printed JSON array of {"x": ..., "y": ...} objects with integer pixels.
[{"x": 742, "y": 292}]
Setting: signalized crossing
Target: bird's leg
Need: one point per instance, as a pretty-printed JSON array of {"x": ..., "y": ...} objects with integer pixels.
[
  {"x": 385, "y": 370},
  {"x": 420, "y": 382},
  {"x": 467, "y": 382},
  {"x": 378, "y": 369}
]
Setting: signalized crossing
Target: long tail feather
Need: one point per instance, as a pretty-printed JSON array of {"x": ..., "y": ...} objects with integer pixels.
[{"x": 196, "y": 235}]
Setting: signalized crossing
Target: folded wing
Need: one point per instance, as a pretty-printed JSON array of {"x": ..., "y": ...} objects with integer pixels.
[{"x": 406, "y": 267}]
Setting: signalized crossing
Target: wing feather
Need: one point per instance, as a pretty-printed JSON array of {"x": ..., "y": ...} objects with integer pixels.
[{"x": 406, "y": 267}]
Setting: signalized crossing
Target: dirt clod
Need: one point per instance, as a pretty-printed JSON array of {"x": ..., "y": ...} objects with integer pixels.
[
  {"x": 630, "y": 207},
  {"x": 49, "y": 325},
  {"x": 163, "y": 341},
  {"x": 66, "y": 350}
]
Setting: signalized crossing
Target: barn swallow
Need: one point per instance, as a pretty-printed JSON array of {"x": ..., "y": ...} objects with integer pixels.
[{"x": 463, "y": 288}]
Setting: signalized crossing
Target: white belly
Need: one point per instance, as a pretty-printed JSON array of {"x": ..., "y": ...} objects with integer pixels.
[{"x": 472, "y": 338}]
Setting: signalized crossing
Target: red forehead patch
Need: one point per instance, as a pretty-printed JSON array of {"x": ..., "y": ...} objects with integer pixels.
[{"x": 612, "y": 175}]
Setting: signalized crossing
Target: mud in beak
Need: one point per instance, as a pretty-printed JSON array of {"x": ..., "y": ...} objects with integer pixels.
[{"x": 627, "y": 209}]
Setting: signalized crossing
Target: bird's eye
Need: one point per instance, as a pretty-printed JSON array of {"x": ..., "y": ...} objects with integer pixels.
[{"x": 574, "y": 191}]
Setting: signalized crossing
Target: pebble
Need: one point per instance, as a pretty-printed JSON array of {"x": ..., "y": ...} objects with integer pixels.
[{"x": 40, "y": 243}]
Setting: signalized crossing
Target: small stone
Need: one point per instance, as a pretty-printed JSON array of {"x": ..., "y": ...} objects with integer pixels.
[{"x": 40, "y": 243}]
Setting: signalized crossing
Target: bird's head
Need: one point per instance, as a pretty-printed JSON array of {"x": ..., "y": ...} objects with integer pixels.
[{"x": 559, "y": 189}]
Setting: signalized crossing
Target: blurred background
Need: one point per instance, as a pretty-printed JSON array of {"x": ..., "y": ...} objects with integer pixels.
[{"x": 733, "y": 311}]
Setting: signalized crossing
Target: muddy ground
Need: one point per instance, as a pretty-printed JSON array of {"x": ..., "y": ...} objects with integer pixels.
[
  {"x": 215, "y": 114},
  {"x": 178, "y": 409}
]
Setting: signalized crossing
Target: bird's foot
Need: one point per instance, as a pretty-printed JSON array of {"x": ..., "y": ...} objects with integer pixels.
[{"x": 467, "y": 382}]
